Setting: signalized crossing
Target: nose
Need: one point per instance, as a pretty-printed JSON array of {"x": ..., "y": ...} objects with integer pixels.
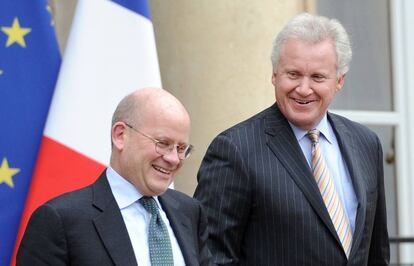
[
  {"x": 172, "y": 157},
  {"x": 304, "y": 87}
]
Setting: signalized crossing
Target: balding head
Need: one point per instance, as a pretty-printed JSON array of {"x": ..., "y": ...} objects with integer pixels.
[
  {"x": 145, "y": 103},
  {"x": 144, "y": 124}
]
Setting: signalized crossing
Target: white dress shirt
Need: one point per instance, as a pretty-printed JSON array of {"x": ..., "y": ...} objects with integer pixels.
[
  {"x": 335, "y": 162},
  {"x": 137, "y": 219}
]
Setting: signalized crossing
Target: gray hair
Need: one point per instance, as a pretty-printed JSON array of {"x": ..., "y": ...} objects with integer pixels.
[{"x": 315, "y": 29}]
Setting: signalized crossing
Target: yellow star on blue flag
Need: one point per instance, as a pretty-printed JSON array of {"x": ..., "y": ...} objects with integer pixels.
[
  {"x": 15, "y": 33},
  {"x": 7, "y": 173}
]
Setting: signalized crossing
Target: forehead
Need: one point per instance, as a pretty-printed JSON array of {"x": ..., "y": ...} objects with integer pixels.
[
  {"x": 168, "y": 124},
  {"x": 300, "y": 52}
]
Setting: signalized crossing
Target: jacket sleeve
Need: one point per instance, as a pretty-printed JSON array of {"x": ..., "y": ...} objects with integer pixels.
[
  {"x": 223, "y": 189},
  {"x": 379, "y": 252},
  {"x": 44, "y": 241},
  {"x": 204, "y": 251}
]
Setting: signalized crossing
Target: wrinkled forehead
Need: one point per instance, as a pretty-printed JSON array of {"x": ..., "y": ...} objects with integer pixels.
[{"x": 322, "y": 52}]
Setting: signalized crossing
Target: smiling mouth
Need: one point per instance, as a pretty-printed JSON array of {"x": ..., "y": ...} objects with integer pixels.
[
  {"x": 162, "y": 170},
  {"x": 303, "y": 101}
]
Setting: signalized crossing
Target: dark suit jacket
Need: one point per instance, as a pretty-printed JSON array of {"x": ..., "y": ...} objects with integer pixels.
[
  {"x": 264, "y": 207},
  {"x": 85, "y": 227}
]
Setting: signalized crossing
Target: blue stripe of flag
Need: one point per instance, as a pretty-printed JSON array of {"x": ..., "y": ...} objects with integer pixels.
[{"x": 139, "y": 6}]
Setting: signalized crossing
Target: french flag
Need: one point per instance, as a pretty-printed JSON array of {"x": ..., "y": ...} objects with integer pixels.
[{"x": 110, "y": 52}]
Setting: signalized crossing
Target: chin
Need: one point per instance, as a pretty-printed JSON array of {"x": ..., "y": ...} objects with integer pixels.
[
  {"x": 306, "y": 125},
  {"x": 160, "y": 188}
]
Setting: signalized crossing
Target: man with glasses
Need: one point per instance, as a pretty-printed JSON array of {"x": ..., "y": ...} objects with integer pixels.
[{"x": 129, "y": 216}]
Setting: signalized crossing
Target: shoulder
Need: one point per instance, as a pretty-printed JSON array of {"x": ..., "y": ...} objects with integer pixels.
[
  {"x": 342, "y": 123},
  {"x": 74, "y": 204},
  {"x": 98, "y": 192},
  {"x": 360, "y": 135},
  {"x": 243, "y": 139},
  {"x": 254, "y": 122},
  {"x": 53, "y": 217},
  {"x": 76, "y": 198},
  {"x": 70, "y": 206},
  {"x": 178, "y": 201},
  {"x": 180, "y": 198},
  {"x": 252, "y": 128}
]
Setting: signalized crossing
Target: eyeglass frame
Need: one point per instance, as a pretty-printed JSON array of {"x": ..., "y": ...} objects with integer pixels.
[{"x": 186, "y": 153}]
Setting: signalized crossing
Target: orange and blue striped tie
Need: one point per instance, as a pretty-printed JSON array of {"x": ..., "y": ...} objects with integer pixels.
[{"x": 329, "y": 194}]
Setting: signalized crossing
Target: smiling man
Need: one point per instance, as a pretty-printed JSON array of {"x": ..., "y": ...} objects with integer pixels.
[
  {"x": 296, "y": 184},
  {"x": 129, "y": 216}
]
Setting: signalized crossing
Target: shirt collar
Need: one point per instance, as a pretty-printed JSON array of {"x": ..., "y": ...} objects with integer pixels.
[
  {"x": 125, "y": 193},
  {"x": 323, "y": 127}
]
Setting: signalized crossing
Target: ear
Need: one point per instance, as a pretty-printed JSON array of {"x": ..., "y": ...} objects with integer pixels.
[
  {"x": 274, "y": 78},
  {"x": 340, "y": 82},
  {"x": 118, "y": 135}
]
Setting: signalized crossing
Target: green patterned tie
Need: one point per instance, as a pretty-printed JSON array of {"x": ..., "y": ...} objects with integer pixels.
[{"x": 158, "y": 239}]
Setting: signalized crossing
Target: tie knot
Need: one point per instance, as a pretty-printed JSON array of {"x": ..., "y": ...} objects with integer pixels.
[
  {"x": 150, "y": 205},
  {"x": 313, "y": 135}
]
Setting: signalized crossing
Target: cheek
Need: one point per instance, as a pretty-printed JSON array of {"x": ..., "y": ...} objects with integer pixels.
[
  {"x": 285, "y": 85},
  {"x": 179, "y": 165},
  {"x": 282, "y": 91},
  {"x": 326, "y": 93},
  {"x": 330, "y": 94}
]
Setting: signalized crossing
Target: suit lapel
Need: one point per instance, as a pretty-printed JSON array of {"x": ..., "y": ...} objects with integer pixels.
[
  {"x": 352, "y": 158},
  {"x": 282, "y": 142},
  {"x": 110, "y": 224},
  {"x": 181, "y": 226}
]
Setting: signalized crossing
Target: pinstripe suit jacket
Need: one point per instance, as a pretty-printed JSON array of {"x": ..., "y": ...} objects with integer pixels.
[{"x": 264, "y": 207}]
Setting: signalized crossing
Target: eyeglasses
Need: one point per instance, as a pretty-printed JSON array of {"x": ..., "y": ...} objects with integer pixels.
[{"x": 165, "y": 148}]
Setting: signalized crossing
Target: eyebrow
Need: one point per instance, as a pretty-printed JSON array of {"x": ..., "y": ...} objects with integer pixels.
[{"x": 169, "y": 141}]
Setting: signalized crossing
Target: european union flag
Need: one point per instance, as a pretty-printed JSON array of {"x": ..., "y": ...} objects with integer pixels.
[{"x": 29, "y": 64}]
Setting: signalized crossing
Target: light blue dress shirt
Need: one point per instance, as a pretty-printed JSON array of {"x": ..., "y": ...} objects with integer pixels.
[
  {"x": 137, "y": 219},
  {"x": 336, "y": 164}
]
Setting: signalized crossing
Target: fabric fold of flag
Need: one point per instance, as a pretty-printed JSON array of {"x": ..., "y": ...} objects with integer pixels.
[{"x": 29, "y": 65}]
